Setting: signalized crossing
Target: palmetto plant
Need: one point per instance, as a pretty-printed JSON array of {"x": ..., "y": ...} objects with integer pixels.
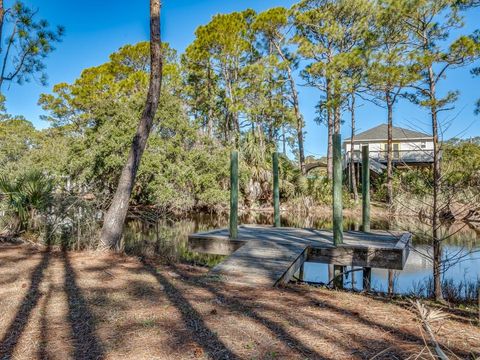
[{"x": 25, "y": 197}]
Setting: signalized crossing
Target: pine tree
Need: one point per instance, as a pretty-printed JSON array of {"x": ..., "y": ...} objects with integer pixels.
[
  {"x": 330, "y": 33},
  {"x": 115, "y": 217},
  {"x": 274, "y": 27},
  {"x": 389, "y": 68},
  {"x": 430, "y": 23}
]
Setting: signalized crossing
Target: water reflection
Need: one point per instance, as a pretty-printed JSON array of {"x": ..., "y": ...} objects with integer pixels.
[{"x": 167, "y": 238}]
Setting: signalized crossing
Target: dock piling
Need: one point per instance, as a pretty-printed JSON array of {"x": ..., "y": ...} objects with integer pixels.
[
  {"x": 276, "y": 191},
  {"x": 365, "y": 189},
  {"x": 337, "y": 190},
  {"x": 367, "y": 279},
  {"x": 234, "y": 194},
  {"x": 338, "y": 271},
  {"x": 391, "y": 279}
]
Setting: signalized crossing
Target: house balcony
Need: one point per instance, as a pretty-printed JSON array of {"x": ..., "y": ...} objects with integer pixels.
[{"x": 399, "y": 157}]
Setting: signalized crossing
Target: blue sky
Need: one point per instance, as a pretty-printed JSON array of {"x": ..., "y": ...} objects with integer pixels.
[{"x": 96, "y": 28}]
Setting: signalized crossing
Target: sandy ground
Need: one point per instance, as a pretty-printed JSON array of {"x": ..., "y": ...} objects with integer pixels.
[{"x": 59, "y": 305}]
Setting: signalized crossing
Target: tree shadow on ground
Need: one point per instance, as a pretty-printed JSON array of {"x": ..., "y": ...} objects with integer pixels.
[
  {"x": 82, "y": 321},
  {"x": 43, "y": 351},
  {"x": 243, "y": 308},
  {"x": 468, "y": 317},
  {"x": 204, "y": 337},
  {"x": 247, "y": 308},
  {"x": 29, "y": 302},
  {"x": 397, "y": 333}
]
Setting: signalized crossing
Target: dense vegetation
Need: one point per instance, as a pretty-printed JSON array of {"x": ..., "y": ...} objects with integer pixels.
[{"x": 235, "y": 87}]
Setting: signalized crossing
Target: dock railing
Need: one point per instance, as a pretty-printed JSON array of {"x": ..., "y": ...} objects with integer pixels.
[{"x": 398, "y": 156}]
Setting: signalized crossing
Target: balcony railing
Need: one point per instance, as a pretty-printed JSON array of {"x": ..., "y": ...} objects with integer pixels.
[{"x": 398, "y": 156}]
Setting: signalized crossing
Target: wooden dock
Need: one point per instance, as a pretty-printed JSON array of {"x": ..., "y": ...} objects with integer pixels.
[{"x": 269, "y": 256}]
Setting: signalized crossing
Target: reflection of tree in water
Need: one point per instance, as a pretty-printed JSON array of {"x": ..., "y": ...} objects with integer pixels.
[{"x": 168, "y": 236}]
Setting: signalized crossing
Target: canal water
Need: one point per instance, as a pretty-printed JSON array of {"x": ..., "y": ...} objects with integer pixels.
[{"x": 461, "y": 249}]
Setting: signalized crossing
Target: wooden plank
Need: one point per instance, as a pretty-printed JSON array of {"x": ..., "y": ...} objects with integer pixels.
[
  {"x": 296, "y": 266},
  {"x": 265, "y": 255},
  {"x": 261, "y": 263},
  {"x": 214, "y": 246},
  {"x": 363, "y": 257}
]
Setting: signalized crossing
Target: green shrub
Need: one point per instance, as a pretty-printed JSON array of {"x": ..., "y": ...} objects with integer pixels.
[{"x": 24, "y": 198}]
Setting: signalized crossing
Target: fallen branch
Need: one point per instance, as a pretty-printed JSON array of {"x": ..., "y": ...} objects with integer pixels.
[{"x": 427, "y": 317}]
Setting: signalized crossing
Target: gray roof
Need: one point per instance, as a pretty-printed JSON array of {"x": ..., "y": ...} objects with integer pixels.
[{"x": 380, "y": 133}]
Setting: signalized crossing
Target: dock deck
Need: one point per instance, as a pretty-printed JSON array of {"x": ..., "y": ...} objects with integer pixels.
[{"x": 269, "y": 256}]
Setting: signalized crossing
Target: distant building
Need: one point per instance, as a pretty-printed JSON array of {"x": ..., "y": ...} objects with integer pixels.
[{"x": 408, "y": 147}]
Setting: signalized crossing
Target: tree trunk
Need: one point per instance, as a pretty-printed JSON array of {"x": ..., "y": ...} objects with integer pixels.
[
  {"x": 330, "y": 133},
  {"x": 2, "y": 17},
  {"x": 115, "y": 217},
  {"x": 389, "y": 148},
  {"x": 336, "y": 119},
  {"x": 352, "y": 164},
  {"x": 296, "y": 107},
  {"x": 298, "y": 117},
  {"x": 210, "y": 110},
  {"x": 336, "y": 108},
  {"x": 436, "y": 241}
]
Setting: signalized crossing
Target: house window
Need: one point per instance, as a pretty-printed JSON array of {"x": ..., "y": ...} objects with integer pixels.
[{"x": 423, "y": 145}]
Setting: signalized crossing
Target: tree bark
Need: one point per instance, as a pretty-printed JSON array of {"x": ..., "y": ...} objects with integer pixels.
[
  {"x": 115, "y": 217},
  {"x": 298, "y": 116},
  {"x": 336, "y": 113},
  {"x": 336, "y": 119},
  {"x": 436, "y": 241},
  {"x": 352, "y": 164},
  {"x": 210, "y": 112},
  {"x": 330, "y": 131},
  {"x": 2, "y": 17},
  {"x": 296, "y": 107},
  {"x": 389, "y": 147}
]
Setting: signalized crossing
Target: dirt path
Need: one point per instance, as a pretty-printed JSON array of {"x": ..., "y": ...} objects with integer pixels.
[{"x": 56, "y": 305}]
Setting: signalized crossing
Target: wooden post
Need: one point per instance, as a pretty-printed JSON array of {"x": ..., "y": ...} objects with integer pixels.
[
  {"x": 353, "y": 277},
  {"x": 338, "y": 276},
  {"x": 349, "y": 174},
  {"x": 390, "y": 282},
  {"x": 357, "y": 177},
  {"x": 301, "y": 273},
  {"x": 337, "y": 190},
  {"x": 234, "y": 194},
  {"x": 365, "y": 189},
  {"x": 276, "y": 191},
  {"x": 367, "y": 279}
]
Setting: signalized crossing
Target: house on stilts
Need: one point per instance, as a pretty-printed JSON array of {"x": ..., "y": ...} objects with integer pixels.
[{"x": 409, "y": 148}]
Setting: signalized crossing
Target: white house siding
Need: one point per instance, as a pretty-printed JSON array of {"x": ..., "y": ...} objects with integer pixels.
[
  {"x": 404, "y": 145},
  {"x": 409, "y": 151},
  {"x": 420, "y": 145}
]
